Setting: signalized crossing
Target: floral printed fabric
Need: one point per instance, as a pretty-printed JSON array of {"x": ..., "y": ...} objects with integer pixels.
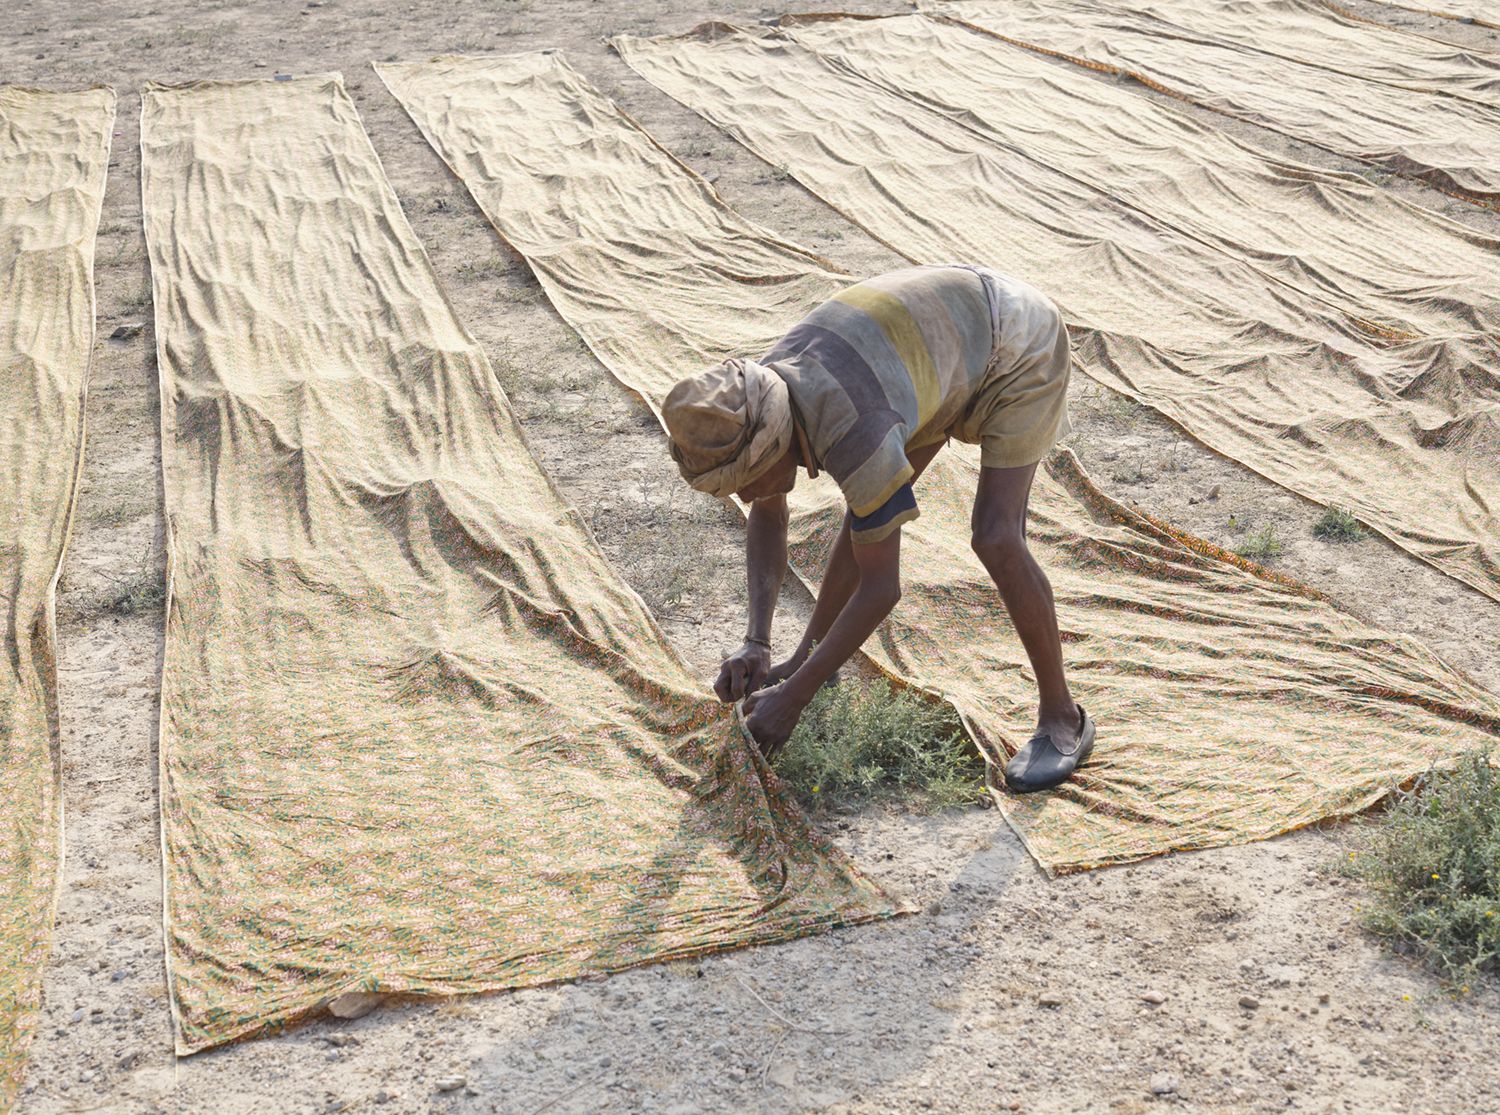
[
  {"x": 54, "y": 151},
  {"x": 417, "y": 735},
  {"x": 1232, "y": 704}
]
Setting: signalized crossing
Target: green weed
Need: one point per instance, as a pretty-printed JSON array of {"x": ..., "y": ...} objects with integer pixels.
[
  {"x": 1338, "y": 525},
  {"x": 141, "y": 593},
  {"x": 1434, "y": 869},
  {"x": 483, "y": 269},
  {"x": 863, "y": 742},
  {"x": 1261, "y": 545},
  {"x": 1129, "y": 472}
]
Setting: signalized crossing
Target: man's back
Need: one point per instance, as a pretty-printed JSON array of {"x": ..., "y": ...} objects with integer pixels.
[{"x": 893, "y": 359}]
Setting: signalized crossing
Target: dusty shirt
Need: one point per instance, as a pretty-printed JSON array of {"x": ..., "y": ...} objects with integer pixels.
[{"x": 884, "y": 366}]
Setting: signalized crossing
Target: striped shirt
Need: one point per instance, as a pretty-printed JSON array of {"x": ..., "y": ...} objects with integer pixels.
[{"x": 885, "y": 366}]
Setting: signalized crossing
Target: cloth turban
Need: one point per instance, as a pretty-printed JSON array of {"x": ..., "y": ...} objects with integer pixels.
[{"x": 728, "y": 425}]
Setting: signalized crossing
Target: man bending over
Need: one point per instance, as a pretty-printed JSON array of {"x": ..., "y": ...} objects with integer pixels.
[{"x": 868, "y": 387}]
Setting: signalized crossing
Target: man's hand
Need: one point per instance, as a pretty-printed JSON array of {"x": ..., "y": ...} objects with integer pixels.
[
  {"x": 771, "y": 716},
  {"x": 743, "y": 672}
]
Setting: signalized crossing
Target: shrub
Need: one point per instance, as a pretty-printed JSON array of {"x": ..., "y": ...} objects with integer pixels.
[
  {"x": 1338, "y": 525},
  {"x": 1434, "y": 870},
  {"x": 861, "y": 742},
  {"x": 1260, "y": 545}
]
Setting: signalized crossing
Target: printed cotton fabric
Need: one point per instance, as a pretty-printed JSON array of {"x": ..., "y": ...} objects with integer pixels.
[
  {"x": 54, "y": 151},
  {"x": 1486, "y": 13},
  {"x": 1450, "y": 142},
  {"x": 1408, "y": 271},
  {"x": 1232, "y": 704},
  {"x": 1320, "y": 34},
  {"x": 417, "y": 735},
  {"x": 1400, "y": 428}
]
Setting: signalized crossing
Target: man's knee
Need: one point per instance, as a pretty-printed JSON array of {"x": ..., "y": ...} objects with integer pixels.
[{"x": 1000, "y": 547}]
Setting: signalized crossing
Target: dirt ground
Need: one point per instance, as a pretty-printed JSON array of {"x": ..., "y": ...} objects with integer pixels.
[{"x": 1116, "y": 991}]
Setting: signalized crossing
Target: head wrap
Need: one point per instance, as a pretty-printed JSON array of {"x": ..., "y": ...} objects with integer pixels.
[{"x": 728, "y": 425}]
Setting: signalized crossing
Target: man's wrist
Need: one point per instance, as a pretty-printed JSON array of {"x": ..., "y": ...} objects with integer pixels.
[
  {"x": 801, "y": 686},
  {"x": 757, "y": 640}
]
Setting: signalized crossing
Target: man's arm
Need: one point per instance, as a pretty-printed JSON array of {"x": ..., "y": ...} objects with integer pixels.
[
  {"x": 840, "y": 579},
  {"x": 772, "y": 714},
  {"x": 765, "y": 568}
]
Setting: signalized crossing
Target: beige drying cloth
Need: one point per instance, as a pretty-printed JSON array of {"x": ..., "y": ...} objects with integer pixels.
[
  {"x": 1486, "y": 13},
  {"x": 1319, "y": 34},
  {"x": 417, "y": 735},
  {"x": 1407, "y": 270},
  {"x": 1448, "y": 141},
  {"x": 54, "y": 151},
  {"x": 1402, "y": 430},
  {"x": 728, "y": 425},
  {"x": 1232, "y": 704}
]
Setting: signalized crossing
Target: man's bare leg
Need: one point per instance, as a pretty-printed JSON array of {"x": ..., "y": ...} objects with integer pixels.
[{"x": 999, "y": 538}]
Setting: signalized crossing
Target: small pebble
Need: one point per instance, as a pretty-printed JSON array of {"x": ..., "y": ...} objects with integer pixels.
[
  {"x": 79, "y": 1014},
  {"x": 1155, "y": 998},
  {"x": 1163, "y": 1085},
  {"x": 1249, "y": 1002},
  {"x": 450, "y": 1083},
  {"x": 1049, "y": 999}
]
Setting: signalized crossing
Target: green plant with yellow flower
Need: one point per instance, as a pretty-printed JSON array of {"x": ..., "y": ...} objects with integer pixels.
[{"x": 1433, "y": 871}]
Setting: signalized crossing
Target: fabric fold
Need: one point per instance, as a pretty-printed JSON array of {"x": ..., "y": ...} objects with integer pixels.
[
  {"x": 417, "y": 735},
  {"x": 1233, "y": 704},
  {"x": 54, "y": 155}
]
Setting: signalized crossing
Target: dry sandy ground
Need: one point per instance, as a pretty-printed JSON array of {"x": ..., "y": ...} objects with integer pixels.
[{"x": 937, "y": 1011}]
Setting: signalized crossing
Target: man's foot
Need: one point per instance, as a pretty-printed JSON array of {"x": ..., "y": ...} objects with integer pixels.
[{"x": 1050, "y": 756}]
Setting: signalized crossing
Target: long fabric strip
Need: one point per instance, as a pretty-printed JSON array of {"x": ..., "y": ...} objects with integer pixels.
[
  {"x": 1339, "y": 409},
  {"x": 54, "y": 152},
  {"x": 1233, "y": 704},
  {"x": 1319, "y": 34},
  {"x": 1450, "y": 142},
  {"x": 1410, "y": 272},
  {"x": 1486, "y": 13},
  {"x": 417, "y": 735}
]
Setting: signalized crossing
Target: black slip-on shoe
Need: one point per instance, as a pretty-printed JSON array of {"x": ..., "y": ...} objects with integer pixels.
[{"x": 1040, "y": 765}]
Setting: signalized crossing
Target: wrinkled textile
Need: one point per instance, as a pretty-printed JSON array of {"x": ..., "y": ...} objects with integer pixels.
[
  {"x": 1232, "y": 704},
  {"x": 1405, "y": 269},
  {"x": 1402, "y": 431},
  {"x": 1486, "y": 13},
  {"x": 417, "y": 735},
  {"x": 1319, "y": 34},
  {"x": 54, "y": 151},
  {"x": 1448, "y": 141}
]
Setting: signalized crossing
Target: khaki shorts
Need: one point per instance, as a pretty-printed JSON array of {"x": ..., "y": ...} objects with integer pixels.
[{"x": 1021, "y": 408}]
